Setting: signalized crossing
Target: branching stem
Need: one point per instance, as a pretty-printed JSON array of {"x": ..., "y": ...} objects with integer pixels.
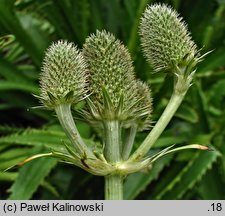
[
  {"x": 129, "y": 142},
  {"x": 65, "y": 117},
  {"x": 112, "y": 152},
  {"x": 165, "y": 118}
]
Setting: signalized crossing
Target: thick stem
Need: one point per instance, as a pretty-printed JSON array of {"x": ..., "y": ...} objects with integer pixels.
[
  {"x": 65, "y": 117},
  {"x": 129, "y": 142},
  {"x": 165, "y": 118},
  {"x": 112, "y": 148},
  {"x": 114, "y": 187},
  {"x": 112, "y": 152}
]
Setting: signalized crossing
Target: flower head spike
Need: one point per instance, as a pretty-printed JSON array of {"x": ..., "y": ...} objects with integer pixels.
[
  {"x": 63, "y": 77},
  {"x": 112, "y": 81},
  {"x": 165, "y": 38}
]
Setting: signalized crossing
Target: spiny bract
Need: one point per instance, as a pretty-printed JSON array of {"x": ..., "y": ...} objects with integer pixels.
[
  {"x": 63, "y": 77},
  {"x": 165, "y": 38},
  {"x": 112, "y": 79}
]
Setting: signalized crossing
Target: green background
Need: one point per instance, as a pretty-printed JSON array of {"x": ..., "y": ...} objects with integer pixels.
[{"x": 25, "y": 131}]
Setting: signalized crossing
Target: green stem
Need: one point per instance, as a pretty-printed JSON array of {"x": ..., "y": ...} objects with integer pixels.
[
  {"x": 112, "y": 152},
  {"x": 165, "y": 118},
  {"x": 114, "y": 187},
  {"x": 65, "y": 117},
  {"x": 112, "y": 141},
  {"x": 129, "y": 142}
]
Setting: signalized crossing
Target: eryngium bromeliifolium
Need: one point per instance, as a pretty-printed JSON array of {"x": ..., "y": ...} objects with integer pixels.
[
  {"x": 165, "y": 38},
  {"x": 112, "y": 82},
  {"x": 63, "y": 77}
]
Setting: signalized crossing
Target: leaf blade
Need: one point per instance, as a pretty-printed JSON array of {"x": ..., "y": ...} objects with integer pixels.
[{"x": 30, "y": 177}]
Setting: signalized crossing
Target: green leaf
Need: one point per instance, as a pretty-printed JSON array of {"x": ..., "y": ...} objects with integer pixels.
[
  {"x": 84, "y": 15},
  {"x": 6, "y": 40},
  {"x": 130, "y": 6},
  {"x": 213, "y": 61},
  {"x": 34, "y": 137},
  {"x": 13, "y": 25},
  {"x": 2, "y": 147},
  {"x": 187, "y": 177},
  {"x": 187, "y": 113},
  {"x": 50, "y": 188},
  {"x": 133, "y": 39},
  {"x": 61, "y": 15},
  {"x": 8, "y": 86},
  {"x": 170, "y": 137},
  {"x": 31, "y": 175},
  {"x": 8, "y": 176},
  {"x": 217, "y": 93},
  {"x": 137, "y": 182},
  {"x": 13, "y": 156},
  {"x": 51, "y": 139},
  {"x": 8, "y": 129},
  {"x": 168, "y": 140},
  {"x": 212, "y": 184},
  {"x": 11, "y": 72},
  {"x": 204, "y": 139}
]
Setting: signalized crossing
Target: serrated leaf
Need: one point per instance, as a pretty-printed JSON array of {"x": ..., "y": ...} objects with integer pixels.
[
  {"x": 34, "y": 137},
  {"x": 137, "y": 182},
  {"x": 9, "y": 129},
  {"x": 51, "y": 139},
  {"x": 31, "y": 175},
  {"x": 188, "y": 176},
  {"x": 212, "y": 185}
]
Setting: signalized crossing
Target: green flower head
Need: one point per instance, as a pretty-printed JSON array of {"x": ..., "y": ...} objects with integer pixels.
[
  {"x": 64, "y": 75},
  {"x": 112, "y": 82},
  {"x": 145, "y": 106},
  {"x": 165, "y": 38}
]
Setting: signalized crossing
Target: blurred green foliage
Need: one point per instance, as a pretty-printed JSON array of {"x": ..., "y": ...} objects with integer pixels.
[{"x": 27, "y": 27}]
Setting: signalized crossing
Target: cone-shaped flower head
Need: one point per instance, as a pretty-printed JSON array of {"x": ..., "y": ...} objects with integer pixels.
[
  {"x": 63, "y": 77},
  {"x": 112, "y": 82},
  {"x": 145, "y": 106},
  {"x": 165, "y": 38}
]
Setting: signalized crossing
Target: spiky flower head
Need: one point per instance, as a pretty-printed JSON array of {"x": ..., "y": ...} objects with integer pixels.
[
  {"x": 64, "y": 75},
  {"x": 112, "y": 82},
  {"x": 165, "y": 38},
  {"x": 145, "y": 106}
]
